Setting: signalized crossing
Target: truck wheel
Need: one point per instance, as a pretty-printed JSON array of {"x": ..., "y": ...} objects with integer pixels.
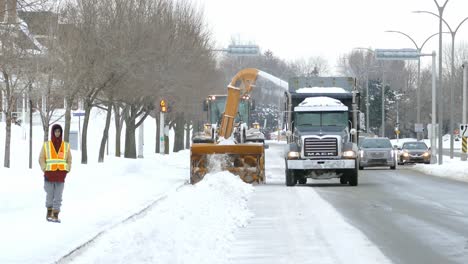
[
  {"x": 343, "y": 179},
  {"x": 353, "y": 177},
  {"x": 302, "y": 180},
  {"x": 290, "y": 179}
]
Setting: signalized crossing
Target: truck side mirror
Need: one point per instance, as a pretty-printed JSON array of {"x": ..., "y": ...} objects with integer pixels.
[
  {"x": 205, "y": 105},
  {"x": 353, "y": 131},
  {"x": 252, "y": 104}
]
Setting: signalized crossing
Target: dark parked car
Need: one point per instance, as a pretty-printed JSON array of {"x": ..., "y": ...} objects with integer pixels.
[
  {"x": 376, "y": 152},
  {"x": 414, "y": 152}
]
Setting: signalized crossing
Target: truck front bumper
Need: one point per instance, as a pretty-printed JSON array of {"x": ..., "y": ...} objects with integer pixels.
[{"x": 321, "y": 164}]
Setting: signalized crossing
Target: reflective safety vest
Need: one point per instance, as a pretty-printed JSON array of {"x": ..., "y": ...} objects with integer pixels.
[{"x": 56, "y": 161}]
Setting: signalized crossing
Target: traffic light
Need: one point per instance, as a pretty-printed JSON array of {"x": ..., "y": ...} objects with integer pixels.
[{"x": 163, "y": 106}]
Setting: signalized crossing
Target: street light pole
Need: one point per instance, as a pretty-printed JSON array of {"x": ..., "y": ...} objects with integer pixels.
[
  {"x": 418, "y": 84},
  {"x": 367, "y": 102},
  {"x": 383, "y": 100},
  {"x": 434, "y": 120},
  {"x": 452, "y": 71}
]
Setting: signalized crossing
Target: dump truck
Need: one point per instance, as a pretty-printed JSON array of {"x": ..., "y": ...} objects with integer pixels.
[
  {"x": 322, "y": 129},
  {"x": 233, "y": 147}
]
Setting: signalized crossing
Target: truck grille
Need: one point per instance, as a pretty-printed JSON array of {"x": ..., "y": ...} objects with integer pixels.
[{"x": 316, "y": 147}]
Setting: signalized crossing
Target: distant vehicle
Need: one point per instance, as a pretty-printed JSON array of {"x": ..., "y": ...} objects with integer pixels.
[
  {"x": 414, "y": 152},
  {"x": 376, "y": 152}
]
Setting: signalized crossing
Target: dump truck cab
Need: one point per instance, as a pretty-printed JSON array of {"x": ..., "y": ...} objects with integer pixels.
[{"x": 323, "y": 129}]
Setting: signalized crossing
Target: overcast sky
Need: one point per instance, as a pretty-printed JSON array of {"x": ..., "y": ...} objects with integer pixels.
[{"x": 303, "y": 28}]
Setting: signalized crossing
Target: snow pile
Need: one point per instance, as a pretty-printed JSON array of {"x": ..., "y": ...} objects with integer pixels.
[
  {"x": 193, "y": 225},
  {"x": 451, "y": 168},
  {"x": 321, "y": 90},
  {"x": 228, "y": 141},
  {"x": 321, "y": 103}
]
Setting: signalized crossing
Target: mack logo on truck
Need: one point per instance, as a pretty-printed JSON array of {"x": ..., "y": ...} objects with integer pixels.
[{"x": 321, "y": 154}]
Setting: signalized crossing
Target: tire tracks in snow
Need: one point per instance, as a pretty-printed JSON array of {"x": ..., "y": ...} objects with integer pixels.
[{"x": 69, "y": 257}]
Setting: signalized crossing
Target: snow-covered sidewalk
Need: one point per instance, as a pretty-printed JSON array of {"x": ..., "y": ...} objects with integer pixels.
[{"x": 96, "y": 198}]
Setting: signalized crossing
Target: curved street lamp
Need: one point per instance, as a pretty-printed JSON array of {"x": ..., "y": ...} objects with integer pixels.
[
  {"x": 418, "y": 89},
  {"x": 453, "y": 33}
]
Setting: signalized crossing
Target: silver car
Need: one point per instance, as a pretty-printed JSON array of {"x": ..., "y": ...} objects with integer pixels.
[{"x": 376, "y": 152}]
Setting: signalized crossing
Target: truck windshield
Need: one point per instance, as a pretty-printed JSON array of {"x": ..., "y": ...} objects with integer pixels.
[
  {"x": 308, "y": 119},
  {"x": 216, "y": 109}
]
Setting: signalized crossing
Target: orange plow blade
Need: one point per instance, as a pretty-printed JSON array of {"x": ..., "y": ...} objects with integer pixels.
[{"x": 245, "y": 160}]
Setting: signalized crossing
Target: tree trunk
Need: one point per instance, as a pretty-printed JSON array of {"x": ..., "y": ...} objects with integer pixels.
[
  {"x": 45, "y": 130},
  {"x": 105, "y": 134},
  {"x": 66, "y": 132},
  {"x": 30, "y": 132},
  {"x": 84, "y": 136},
  {"x": 179, "y": 132},
  {"x": 166, "y": 144},
  {"x": 118, "y": 130},
  {"x": 130, "y": 144},
  {"x": 6, "y": 157},
  {"x": 158, "y": 135},
  {"x": 187, "y": 135}
]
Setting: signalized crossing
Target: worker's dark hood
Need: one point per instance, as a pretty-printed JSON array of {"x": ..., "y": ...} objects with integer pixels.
[{"x": 52, "y": 135}]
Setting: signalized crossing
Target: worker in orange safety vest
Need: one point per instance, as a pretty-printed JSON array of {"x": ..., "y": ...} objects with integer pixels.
[{"x": 55, "y": 160}]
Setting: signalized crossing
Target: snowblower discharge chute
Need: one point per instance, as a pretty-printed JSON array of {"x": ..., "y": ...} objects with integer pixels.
[{"x": 246, "y": 159}]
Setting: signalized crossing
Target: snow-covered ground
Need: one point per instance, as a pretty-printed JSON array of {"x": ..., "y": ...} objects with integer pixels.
[{"x": 141, "y": 211}]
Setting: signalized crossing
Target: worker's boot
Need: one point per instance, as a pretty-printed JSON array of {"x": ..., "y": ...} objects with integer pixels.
[
  {"x": 49, "y": 214},
  {"x": 55, "y": 218}
]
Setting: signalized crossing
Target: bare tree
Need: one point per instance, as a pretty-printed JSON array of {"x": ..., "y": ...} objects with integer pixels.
[{"x": 313, "y": 66}]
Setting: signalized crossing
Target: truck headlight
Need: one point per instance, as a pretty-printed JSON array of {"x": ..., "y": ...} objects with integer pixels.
[
  {"x": 349, "y": 154},
  {"x": 426, "y": 154},
  {"x": 405, "y": 154},
  {"x": 293, "y": 155}
]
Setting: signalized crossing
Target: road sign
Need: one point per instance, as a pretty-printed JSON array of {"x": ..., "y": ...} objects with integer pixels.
[
  {"x": 397, "y": 54},
  {"x": 78, "y": 113},
  {"x": 418, "y": 128},
  {"x": 243, "y": 50},
  {"x": 464, "y": 130}
]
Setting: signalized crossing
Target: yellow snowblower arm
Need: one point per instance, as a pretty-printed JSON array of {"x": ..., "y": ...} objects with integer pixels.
[{"x": 239, "y": 86}]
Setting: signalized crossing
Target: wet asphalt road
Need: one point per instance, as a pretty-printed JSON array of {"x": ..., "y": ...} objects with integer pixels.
[{"x": 411, "y": 217}]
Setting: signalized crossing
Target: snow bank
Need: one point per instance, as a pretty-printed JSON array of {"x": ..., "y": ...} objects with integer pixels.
[{"x": 187, "y": 227}]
